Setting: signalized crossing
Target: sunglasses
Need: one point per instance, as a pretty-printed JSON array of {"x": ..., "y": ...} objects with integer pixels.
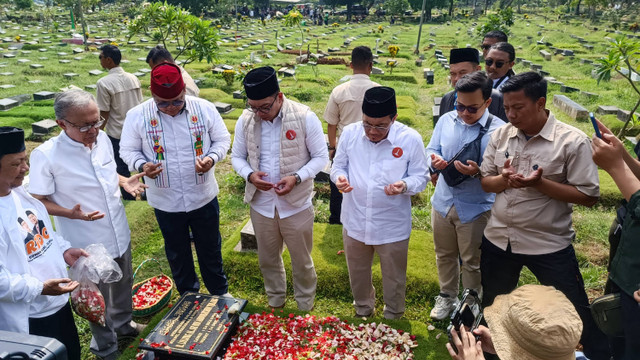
[
  {"x": 166, "y": 104},
  {"x": 470, "y": 109},
  {"x": 498, "y": 64}
]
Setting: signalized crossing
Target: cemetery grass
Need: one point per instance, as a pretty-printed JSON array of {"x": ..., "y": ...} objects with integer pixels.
[{"x": 415, "y": 99}]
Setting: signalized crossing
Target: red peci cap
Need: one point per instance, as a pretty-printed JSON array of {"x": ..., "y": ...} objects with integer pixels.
[{"x": 166, "y": 81}]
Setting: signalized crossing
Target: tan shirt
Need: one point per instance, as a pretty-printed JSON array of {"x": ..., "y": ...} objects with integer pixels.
[
  {"x": 345, "y": 102},
  {"x": 531, "y": 221},
  {"x": 117, "y": 93},
  {"x": 191, "y": 87}
]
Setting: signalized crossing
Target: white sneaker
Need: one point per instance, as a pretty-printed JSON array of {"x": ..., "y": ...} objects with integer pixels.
[{"x": 443, "y": 307}]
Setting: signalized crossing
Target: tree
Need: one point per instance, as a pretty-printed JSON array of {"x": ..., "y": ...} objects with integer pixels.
[
  {"x": 502, "y": 21},
  {"x": 623, "y": 52},
  {"x": 294, "y": 19},
  {"x": 396, "y": 7},
  {"x": 195, "y": 38},
  {"x": 23, "y": 4},
  {"x": 430, "y": 4}
]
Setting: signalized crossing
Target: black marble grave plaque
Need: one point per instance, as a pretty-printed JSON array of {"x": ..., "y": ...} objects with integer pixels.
[{"x": 198, "y": 326}]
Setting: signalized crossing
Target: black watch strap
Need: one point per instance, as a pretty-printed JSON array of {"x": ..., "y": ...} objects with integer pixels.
[{"x": 141, "y": 167}]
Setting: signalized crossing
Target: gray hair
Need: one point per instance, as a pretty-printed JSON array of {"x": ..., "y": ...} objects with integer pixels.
[{"x": 71, "y": 99}]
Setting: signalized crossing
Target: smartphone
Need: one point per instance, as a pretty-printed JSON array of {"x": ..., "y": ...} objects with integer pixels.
[{"x": 595, "y": 125}]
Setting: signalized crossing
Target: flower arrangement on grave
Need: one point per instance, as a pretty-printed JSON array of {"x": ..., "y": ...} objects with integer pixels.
[
  {"x": 268, "y": 336},
  {"x": 228, "y": 76},
  {"x": 526, "y": 16},
  {"x": 393, "y": 50},
  {"x": 634, "y": 27},
  {"x": 17, "y": 38},
  {"x": 335, "y": 24},
  {"x": 114, "y": 43},
  {"x": 294, "y": 19},
  {"x": 380, "y": 29}
]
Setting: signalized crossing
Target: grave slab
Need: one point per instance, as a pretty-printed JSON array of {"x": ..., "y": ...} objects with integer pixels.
[
  {"x": 6, "y": 104},
  {"x": 43, "y": 95},
  {"x": 622, "y": 115},
  {"x": 36, "y": 66},
  {"x": 90, "y": 87},
  {"x": 607, "y": 110},
  {"x": 570, "y": 107},
  {"x": 43, "y": 127},
  {"x": 223, "y": 108},
  {"x": 7, "y": 86},
  {"x": 95, "y": 72},
  {"x": 545, "y": 54},
  {"x": 70, "y": 75},
  {"x": 568, "y": 89}
]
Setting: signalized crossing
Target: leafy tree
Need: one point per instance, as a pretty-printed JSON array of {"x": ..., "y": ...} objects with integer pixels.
[
  {"x": 396, "y": 7},
  {"x": 294, "y": 19},
  {"x": 196, "y": 39},
  {"x": 502, "y": 21},
  {"x": 623, "y": 52},
  {"x": 24, "y": 4},
  {"x": 430, "y": 5}
]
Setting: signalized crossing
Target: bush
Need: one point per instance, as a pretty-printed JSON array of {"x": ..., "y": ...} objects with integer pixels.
[{"x": 24, "y": 4}]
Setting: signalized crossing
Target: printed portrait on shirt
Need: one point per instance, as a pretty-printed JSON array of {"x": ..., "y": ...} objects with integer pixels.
[{"x": 36, "y": 236}]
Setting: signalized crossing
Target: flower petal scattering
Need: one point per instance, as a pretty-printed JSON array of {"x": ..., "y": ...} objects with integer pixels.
[
  {"x": 152, "y": 291},
  {"x": 88, "y": 303},
  {"x": 267, "y": 336}
]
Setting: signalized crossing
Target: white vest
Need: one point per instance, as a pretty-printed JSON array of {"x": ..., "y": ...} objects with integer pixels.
[{"x": 293, "y": 152}]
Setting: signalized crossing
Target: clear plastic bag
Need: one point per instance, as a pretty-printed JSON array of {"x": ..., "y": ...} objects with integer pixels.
[{"x": 87, "y": 300}]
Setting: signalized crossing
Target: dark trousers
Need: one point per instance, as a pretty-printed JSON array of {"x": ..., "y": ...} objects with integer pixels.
[
  {"x": 121, "y": 167},
  {"x": 627, "y": 347},
  {"x": 204, "y": 224},
  {"x": 61, "y": 327},
  {"x": 335, "y": 204},
  {"x": 501, "y": 271}
]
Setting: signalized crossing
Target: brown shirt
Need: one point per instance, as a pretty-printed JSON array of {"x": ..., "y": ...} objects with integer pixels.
[
  {"x": 531, "y": 221},
  {"x": 117, "y": 93},
  {"x": 345, "y": 102}
]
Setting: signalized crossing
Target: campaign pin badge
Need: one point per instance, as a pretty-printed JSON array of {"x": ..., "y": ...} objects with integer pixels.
[
  {"x": 291, "y": 134},
  {"x": 397, "y": 152}
]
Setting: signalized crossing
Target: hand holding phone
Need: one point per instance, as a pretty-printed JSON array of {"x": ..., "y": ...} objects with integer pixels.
[{"x": 595, "y": 125}]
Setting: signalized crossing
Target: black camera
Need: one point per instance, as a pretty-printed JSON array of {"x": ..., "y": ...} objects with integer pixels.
[{"x": 468, "y": 313}]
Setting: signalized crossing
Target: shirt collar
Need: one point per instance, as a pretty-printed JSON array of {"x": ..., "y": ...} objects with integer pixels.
[
  {"x": 359, "y": 77},
  {"x": 116, "y": 70}
]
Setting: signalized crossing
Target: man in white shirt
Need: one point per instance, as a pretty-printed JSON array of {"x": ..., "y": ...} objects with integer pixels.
[
  {"x": 379, "y": 164},
  {"x": 175, "y": 139},
  {"x": 33, "y": 269},
  {"x": 116, "y": 94},
  {"x": 75, "y": 172},
  {"x": 278, "y": 149},
  {"x": 344, "y": 108}
]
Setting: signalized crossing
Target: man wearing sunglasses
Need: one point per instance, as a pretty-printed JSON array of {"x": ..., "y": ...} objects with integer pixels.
[
  {"x": 460, "y": 212},
  {"x": 538, "y": 167},
  {"x": 466, "y": 61},
  {"x": 175, "y": 140},
  {"x": 74, "y": 176},
  {"x": 116, "y": 93},
  {"x": 379, "y": 164},
  {"x": 278, "y": 149}
]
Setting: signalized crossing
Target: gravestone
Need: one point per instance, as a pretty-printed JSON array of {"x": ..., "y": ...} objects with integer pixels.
[
  {"x": 43, "y": 95},
  {"x": 568, "y": 89},
  {"x": 43, "y": 127},
  {"x": 248, "y": 238},
  {"x": 6, "y": 73},
  {"x": 570, "y": 107},
  {"x": 223, "y": 108},
  {"x": 139, "y": 74},
  {"x": 545, "y": 54},
  {"x": 6, "y": 104},
  {"x": 567, "y": 52},
  {"x": 90, "y": 87},
  {"x": 435, "y": 109},
  {"x": 289, "y": 73},
  {"x": 64, "y": 61},
  {"x": 607, "y": 110},
  {"x": 377, "y": 71},
  {"x": 9, "y": 56},
  {"x": 36, "y": 66},
  {"x": 429, "y": 76},
  {"x": 623, "y": 115},
  {"x": 70, "y": 75},
  {"x": 238, "y": 94},
  {"x": 586, "y": 61},
  {"x": 95, "y": 72},
  {"x": 590, "y": 95},
  {"x": 7, "y": 86},
  {"x": 437, "y": 100}
]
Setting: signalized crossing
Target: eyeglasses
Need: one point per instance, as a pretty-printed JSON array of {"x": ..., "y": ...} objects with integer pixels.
[
  {"x": 470, "y": 109},
  {"x": 498, "y": 64},
  {"x": 370, "y": 127},
  {"x": 84, "y": 129},
  {"x": 166, "y": 104},
  {"x": 262, "y": 109},
  {"x": 485, "y": 46}
]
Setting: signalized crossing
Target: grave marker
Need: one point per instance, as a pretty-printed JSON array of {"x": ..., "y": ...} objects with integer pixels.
[{"x": 570, "y": 107}]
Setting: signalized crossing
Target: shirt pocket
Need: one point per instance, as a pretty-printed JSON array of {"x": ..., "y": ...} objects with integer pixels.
[{"x": 554, "y": 170}]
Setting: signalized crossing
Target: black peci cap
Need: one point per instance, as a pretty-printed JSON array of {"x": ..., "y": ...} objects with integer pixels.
[
  {"x": 379, "y": 101},
  {"x": 261, "y": 83}
]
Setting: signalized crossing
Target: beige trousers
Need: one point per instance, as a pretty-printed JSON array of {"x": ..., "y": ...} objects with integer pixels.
[
  {"x": 453, "y": 241},
  {"x": 393, "y": 265},
  {"x": 297, "y": 233}
]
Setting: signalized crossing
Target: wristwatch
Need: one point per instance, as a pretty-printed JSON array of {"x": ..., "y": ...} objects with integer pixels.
[
  {"x": 249, "y": 177},
  {"x": 476, "y": 175},
  {"x": 141, "y": 167},
  {"x": 331, "y": 148},
  {"x": 298, "y": 180}
]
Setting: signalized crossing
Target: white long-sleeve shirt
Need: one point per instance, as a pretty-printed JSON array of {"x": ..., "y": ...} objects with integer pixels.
[
  {"x": 152, "y": 136},
  {"x": 27, "y": 259},
  {"x": 266, "y": 202},
  {"x": 368, "y": 214}
]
